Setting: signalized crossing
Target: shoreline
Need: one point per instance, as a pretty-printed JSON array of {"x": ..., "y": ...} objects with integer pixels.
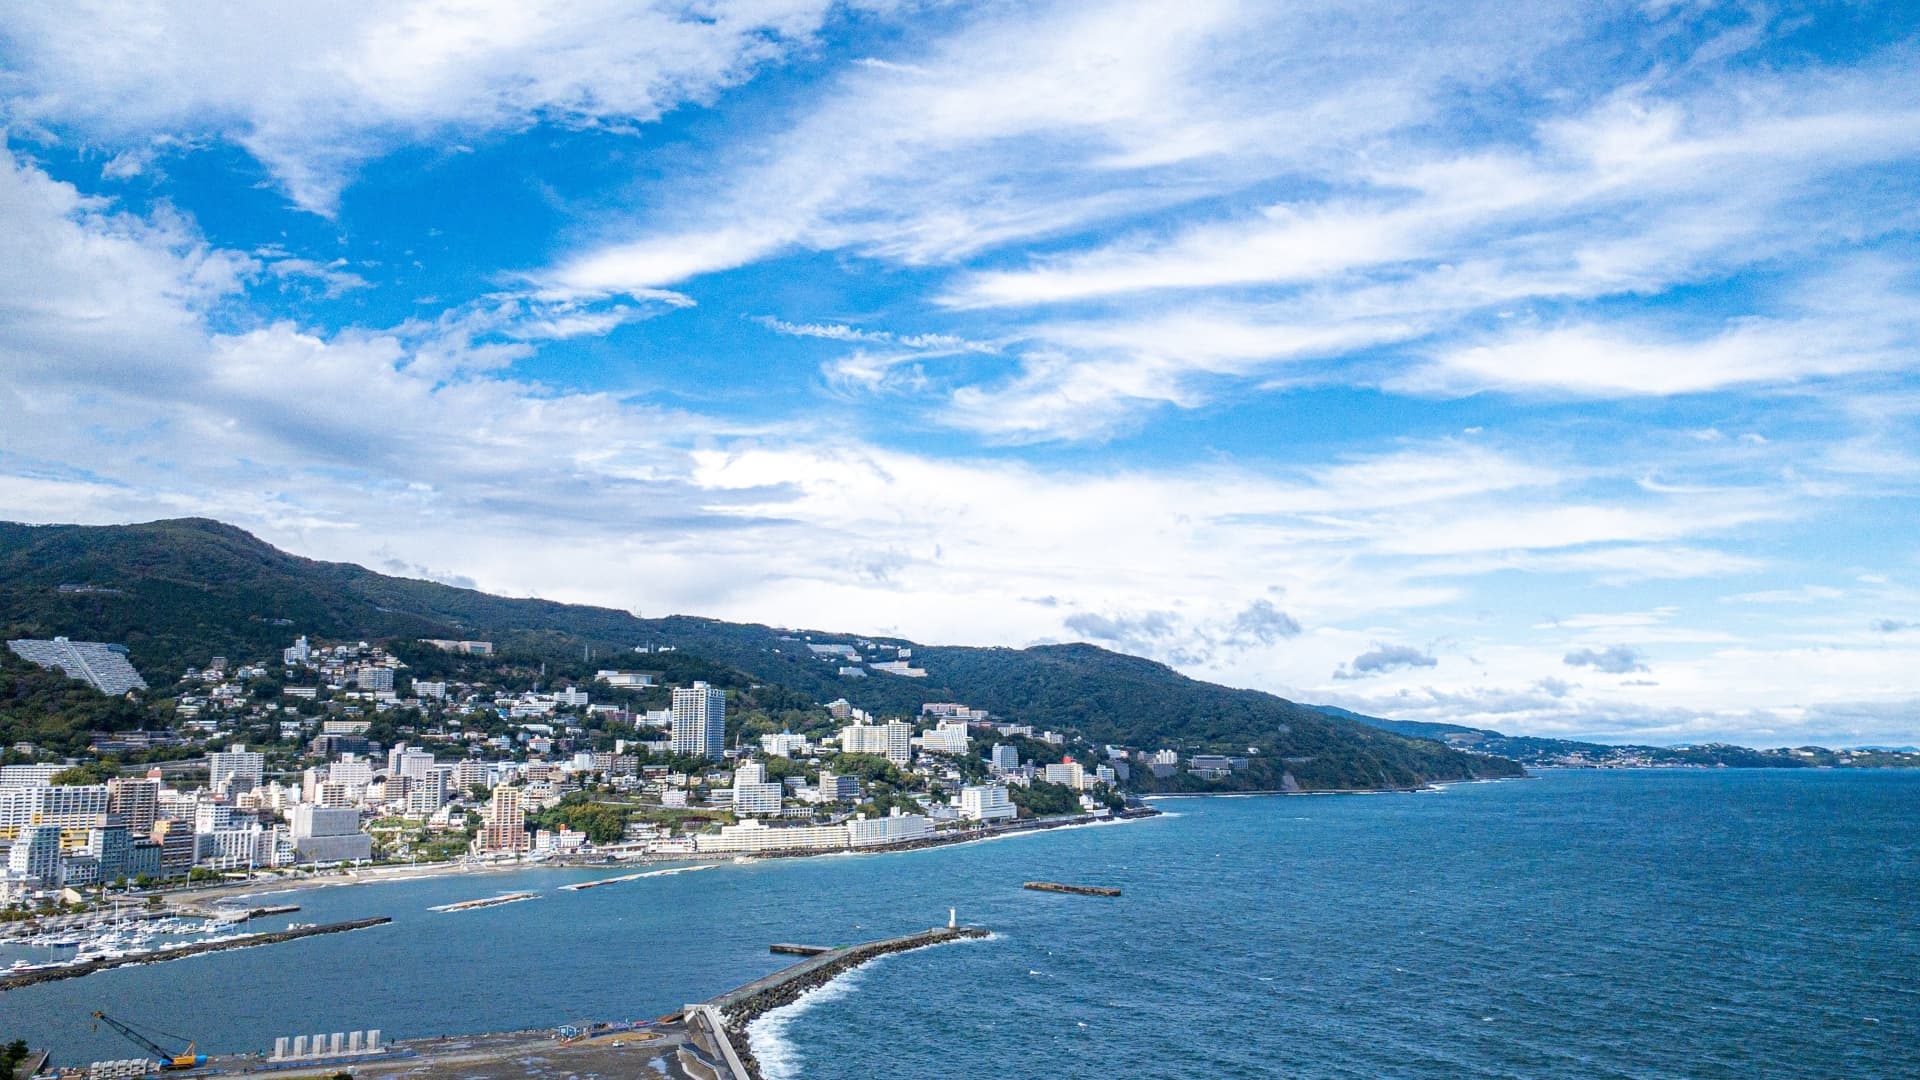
[{"x": 379, "y": 875}]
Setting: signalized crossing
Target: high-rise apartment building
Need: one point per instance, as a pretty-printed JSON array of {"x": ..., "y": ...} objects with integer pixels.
[
  {"x": 506, "y": 827},
  {"x": 700, "y": 721},
  {"x": 135, "y": 800},
  {"x": 240, "y": 770}
]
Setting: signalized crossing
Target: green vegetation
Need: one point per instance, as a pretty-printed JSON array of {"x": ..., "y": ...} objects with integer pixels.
[
  {"x": 12, "y": 1055},
  {"x": 604, "y": 823},
  {"x": 1041, "y": 799},
  {"x": 51, "y": 711},
  {"x": 92, "y": 772}
]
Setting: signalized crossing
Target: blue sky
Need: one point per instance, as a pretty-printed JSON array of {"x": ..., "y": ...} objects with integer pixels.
[{"x": 1542, "y": 367}]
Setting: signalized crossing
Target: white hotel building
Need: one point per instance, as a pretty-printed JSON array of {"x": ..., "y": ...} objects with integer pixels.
[{"x": 986, "y": 802}]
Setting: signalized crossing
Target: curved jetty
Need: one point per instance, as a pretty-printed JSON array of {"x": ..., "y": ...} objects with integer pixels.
[
  {"x": 1077, "y": 890},
  {"x": 724, "y": 1019},
  {"x": 241, "y": 941}
]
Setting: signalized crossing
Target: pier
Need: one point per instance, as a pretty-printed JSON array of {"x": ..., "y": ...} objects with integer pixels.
[{"x": 798, "y": 950}]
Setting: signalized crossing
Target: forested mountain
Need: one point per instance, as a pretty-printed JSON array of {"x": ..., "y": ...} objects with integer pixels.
[{"x": 177, "y": 592}]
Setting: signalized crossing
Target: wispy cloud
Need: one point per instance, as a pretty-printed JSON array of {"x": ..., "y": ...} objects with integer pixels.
[
  {"x": 1616, "y": 660},
  {"x": 1384, "y": 658}
]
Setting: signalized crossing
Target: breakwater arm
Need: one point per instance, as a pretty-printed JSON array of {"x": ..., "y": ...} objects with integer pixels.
[
  {"x": 741, "y": 1007},
  {"x": 244, "y": 941},
  {"x": 1077, "y": 890}
]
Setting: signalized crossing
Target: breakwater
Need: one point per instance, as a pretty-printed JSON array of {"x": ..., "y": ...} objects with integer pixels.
[
  {"x": 175, "y": 952},
  {"x": 1077, "y": 890},
  {"x": 740, "y": 1007},
  {"x": 485, "y": 902}
]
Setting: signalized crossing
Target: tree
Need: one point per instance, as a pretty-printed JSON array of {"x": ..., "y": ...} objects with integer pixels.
[
  {"x": 1041, "y": 799},
  {"x": 90, "y": 773}
]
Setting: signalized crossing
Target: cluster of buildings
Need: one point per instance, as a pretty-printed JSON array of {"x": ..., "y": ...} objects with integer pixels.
[
  {"x": 69, "y": 836},
  {"x": 473, "y": 780}
]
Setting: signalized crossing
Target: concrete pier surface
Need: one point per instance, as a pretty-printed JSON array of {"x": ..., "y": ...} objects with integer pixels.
[{"x": 706, "y": 1041}]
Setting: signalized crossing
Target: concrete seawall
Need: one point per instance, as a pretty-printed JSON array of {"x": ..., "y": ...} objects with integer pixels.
[{"x": 738, "y": 1008}]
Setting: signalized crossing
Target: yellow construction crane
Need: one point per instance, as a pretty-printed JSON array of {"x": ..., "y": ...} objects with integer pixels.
[{"x": 169, "y": 1061}]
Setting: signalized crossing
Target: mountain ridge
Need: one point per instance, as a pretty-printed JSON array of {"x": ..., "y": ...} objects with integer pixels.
[{"x": 178, "y": 590}]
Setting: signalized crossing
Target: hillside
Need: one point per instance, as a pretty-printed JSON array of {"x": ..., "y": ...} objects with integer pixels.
[{"x": 176, "y": 592}]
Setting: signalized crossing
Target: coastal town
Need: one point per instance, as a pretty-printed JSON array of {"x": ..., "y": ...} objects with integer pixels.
[{"x": 340, "y": 757}]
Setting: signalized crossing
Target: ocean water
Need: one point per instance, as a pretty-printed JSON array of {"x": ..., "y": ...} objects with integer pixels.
[{"x": 1626, "y": 924}]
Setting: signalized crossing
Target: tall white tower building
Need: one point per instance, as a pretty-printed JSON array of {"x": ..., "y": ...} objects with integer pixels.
[{"x": 700, "y": 721}]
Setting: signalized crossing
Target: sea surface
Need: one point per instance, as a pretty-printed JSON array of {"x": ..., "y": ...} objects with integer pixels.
[{"x": 1582, "y": 924}]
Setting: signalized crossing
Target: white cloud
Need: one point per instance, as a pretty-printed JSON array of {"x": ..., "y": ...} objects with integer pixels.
[
  {"x": 1136, "y": 106},
  {"x": 315, "y": 93}
]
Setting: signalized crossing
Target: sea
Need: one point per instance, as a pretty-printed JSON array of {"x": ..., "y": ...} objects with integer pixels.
[{"x": 1677, "y": 923}]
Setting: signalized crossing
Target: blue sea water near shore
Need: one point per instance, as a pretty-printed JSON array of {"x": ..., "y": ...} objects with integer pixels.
[{"x": 1625, "y": 924}]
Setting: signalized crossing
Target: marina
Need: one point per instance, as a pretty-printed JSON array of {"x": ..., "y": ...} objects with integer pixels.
[{"x": 104, "y": 956}]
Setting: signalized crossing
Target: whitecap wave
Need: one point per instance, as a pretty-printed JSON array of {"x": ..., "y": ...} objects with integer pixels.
[{"x": 767, "y": 1033}]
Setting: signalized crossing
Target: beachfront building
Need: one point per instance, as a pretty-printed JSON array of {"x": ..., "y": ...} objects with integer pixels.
[
  {"x": 986, "y": 802},
  {"x": 1069, "y": 773},
  {"x": 700, "y": 721},
  {"x": 506, "y": 823},
  {"x": 895, "y": 828},
  {"x": 326, "y": 834},
  {"x": 755, "y": 835}
]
